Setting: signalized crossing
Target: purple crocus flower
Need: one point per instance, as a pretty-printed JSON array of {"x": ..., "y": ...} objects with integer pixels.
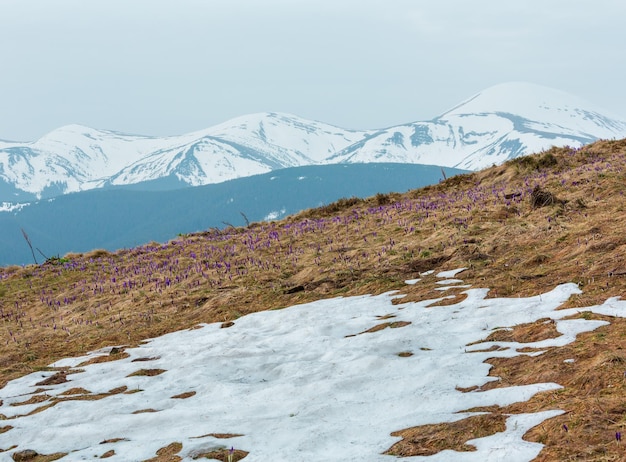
[
  {"x": 618, "y": 436},
  {"x": 565, "y": 427}
]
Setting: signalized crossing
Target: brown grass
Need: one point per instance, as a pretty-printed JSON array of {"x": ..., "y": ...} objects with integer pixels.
[
  {"x": 484, "y": 221},
  {"x": 136, "y": 360},
  {"x": 74, "y": 394},
  {"x": 59, "y": 377},
  {"x": 222, "y": 436},
  {"x": 167, "y": 453},
  {"x": 542, "y": 329},
  {"x": 427, "y": 440},
  {"x": 76, "y": 391},
  {"x": 27, "y": 456},
  {"x": 221, "y": 454},
  {"x": 187, "y": 394},
  {"x": 104, "y": 359},
  {"x": 147, "y": 372},
  {"x": 33, "y": 400},
  {"x": 144, "y": 411},
  {"x": 385, "y": 325},
  {"x": 113, "y": 440}
]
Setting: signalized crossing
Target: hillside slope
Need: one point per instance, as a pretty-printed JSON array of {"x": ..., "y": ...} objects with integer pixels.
[
  {"x": 520, "y": 229},
  {"x": 122, "y": 218}
]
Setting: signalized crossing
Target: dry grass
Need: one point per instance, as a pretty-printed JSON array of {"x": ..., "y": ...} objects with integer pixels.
[
  {"x": 104, "y": 359},
  {"x": 485, "y": 221},
  {"x": 74, "y": 394},
  {"x": 113, "y": 440},
  {"x": 542, "y": 329},
  {"x": 384, "y": 325},
  {"x": 220, "y": 435},
  {"x": 427, "y": 440},
  {"x": 221, "y": 454},
  {"x": 145, "y": 411},
  {"x": 76, "y": 391},
  {"x": 32, "y": 456},
  {"x": 187, "y": 394},
  {"x": 167, "y": 453},
  {"x": 147, "y": 372}
]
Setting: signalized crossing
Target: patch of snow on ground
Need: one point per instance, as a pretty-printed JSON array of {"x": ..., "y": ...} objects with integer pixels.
[
  {"x": 451, "y": 273},
  {"x": 274, "y": 215},
  {"x": 464, "y": 286},
  {"x": 303, "y": 383},
  {"x": 449, "y": 281}
]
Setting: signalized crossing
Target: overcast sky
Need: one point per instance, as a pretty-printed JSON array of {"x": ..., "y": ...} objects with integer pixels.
[{"x": 160, "y": 67}]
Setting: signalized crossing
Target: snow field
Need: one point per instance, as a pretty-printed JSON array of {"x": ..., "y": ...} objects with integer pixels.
[{"x": 301, "y": 383}]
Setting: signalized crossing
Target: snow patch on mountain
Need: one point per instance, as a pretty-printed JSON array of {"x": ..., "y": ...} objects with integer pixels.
[
  {"x": 10, "y": 207},
  {"x": 304, "y": 139}
]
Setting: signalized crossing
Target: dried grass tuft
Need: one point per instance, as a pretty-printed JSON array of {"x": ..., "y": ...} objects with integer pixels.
[{"x": 427, "y": 440}]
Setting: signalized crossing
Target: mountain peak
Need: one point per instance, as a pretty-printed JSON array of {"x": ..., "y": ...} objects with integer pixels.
[
  {"x": 74, "y": 129},
  {"x": 254, "y": 120},
  {"x": 68, "y": 134},
  {"x": 528, "y": 100}
]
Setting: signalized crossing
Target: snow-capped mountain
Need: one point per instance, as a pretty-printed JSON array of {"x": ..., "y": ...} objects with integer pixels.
[
  {"x": 244, "y": 146},
  {"x": 75, "y": 158},
  {"x": 497, "y": 124}
]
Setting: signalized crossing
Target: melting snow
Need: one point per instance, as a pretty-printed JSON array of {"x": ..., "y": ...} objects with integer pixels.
[
  {"x": 464, "y": 286},
  {"x": 274, "y": 215},
  {"x": 450, "y": 274},
  {"x": 10, "y": 207},
  {"x": 449, "y": 281},
  {"x": 304, "y": 383}
]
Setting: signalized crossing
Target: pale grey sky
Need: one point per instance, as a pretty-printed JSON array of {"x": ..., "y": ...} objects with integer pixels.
[{"x": 159, "y": 67}]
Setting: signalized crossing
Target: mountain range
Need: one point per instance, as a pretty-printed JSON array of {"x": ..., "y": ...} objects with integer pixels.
[{"x": 499, "y": 123}]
